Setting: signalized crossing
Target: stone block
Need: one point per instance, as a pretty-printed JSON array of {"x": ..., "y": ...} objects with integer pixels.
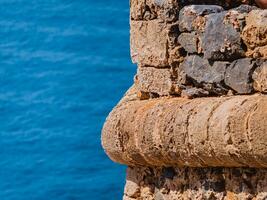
[
  {"x": 202, "y": 73},
  {"x": 260, "y": 78},
  {"x": 254, "y": 34},
  {"x": 221, "y": 39},
  {"x": 191, "y": 93},
  {"x": 153, "y": 80},
  {"x": 189, "y": 14},
  {"x": 164, "y": 10},
  {"x": 149, "y": 44},
  {"x": 238, "y": 75},
  {"x": 189, "y": 41}
]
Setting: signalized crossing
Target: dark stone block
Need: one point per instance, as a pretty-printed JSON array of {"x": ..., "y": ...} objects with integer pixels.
[
  {"x": 221, "y": 39},
  {"x": 189, "y": 13},
  {"x": 189, "y": 42},
  {"x": 194, "y": 92},
  {"x": 239, "y": 75},
  {"x": 201, "y": 71}
]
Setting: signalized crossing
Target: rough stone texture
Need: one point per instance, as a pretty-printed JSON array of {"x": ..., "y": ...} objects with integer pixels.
[
  {"x": 215, "y": 40},
  {"x": 149, "y": 43},
  {"x": 189, "y": 41},
  {"x": 196, "y": 183},
  {"x": 260, "y": 78},
  {"x": 226, "y": 131},
  {"x": 191, "y": 93},
  {"x": 167, "y": 10},
  {"x": 221, "y": 39},
  {"x": 203, "y": 74},
  {"x": 239, "y": 75},
  {"x": 254, "y": 34},
  {"x": 185, "y": 145},
  {"x": 150, "y": 79},
  {"x": 189, "y": 15}
]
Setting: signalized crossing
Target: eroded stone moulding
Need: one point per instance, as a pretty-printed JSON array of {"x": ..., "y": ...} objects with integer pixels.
[{"x": 226, "y": 132}]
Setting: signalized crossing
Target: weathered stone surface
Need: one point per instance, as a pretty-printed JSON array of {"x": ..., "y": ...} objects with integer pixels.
[
  {"x": 189, "y": 42},
  {"x": 221, "y": 39},
  {"x": 254, "y": 34},
  {"x": 153, "y": 80},
  {"x": 201, "y": 71},
  {"x": 200, "y": 183},
  {"x": 165, "y": 10},
  {"x": 149, "y": 43},
  {"x": 225, "y": 131},
  {"x": 189, "y": 14},
  {"x": 260, "y": 78},
  {"x": 239, "y": 75},
  {"x": 203, "y": 74},
  {"x": 191, "y": 93},
  {"x": 175, "y": 52}
]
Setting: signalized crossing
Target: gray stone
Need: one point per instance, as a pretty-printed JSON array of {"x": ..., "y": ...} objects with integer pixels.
[
  {"x": 191, "y": 93},
  {"x": 189, "y": 42},
  {"x": 221, "y": 39},
  {"x": 189, "y": 13},
  {"x": 201, "y": 71},
  {"x": 245, "y": 8},
  {"x": 239, "y": 75}
]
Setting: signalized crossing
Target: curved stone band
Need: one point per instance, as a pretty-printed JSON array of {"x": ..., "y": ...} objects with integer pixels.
[{"x": 221, "y": 131}]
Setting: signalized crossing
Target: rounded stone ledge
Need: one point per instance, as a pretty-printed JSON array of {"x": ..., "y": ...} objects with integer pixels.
[{"x": 203, "y": 132}]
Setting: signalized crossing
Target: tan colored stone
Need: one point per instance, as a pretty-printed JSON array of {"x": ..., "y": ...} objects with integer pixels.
[
  {"x": 260, "y": 78},
  {"x": 153, "y": 80},
  {"x": 131, "y": 189},
  {"x": 165, "y": 10},
  {"x": 254, "y": 34},
  {"x": 200, "y": 183},
  {"x": 149, "y": 43},
  {"x": 226, "y": 131}
]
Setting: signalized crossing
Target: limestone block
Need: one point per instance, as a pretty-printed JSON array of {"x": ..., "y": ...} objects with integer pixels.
[
  {"x": 254, "y": 34},
  {"x": 225, "y": 131},
  {"x": 153, "y": 80},
  {"x": 149, "y": 44},
  {"x": 260, "y": 78},
  {"x": 164, "y": 10}
]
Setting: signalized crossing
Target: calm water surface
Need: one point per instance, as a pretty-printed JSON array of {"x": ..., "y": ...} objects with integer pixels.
[{"x": 64, "y": 65}]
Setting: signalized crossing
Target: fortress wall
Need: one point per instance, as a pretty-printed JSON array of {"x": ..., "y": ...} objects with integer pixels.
[{"x": 194, "y": 124}]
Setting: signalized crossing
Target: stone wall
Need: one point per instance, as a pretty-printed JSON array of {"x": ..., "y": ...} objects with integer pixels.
[{"x": 194, "y": 124}]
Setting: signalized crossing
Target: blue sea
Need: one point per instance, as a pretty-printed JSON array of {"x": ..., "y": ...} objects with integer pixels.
[{"x": 64, "y": 65}]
